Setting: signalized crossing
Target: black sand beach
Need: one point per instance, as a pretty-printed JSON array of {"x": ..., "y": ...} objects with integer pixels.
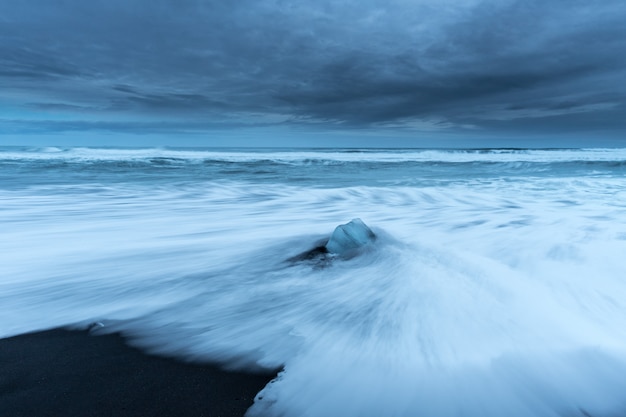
[{"x": 72, "y": 373}]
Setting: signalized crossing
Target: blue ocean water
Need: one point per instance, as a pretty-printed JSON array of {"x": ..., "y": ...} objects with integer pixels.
[{"x": 497, "y": 284}]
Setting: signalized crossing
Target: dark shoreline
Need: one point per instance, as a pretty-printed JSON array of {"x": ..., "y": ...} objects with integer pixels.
[{"x": 72, "y": 373}]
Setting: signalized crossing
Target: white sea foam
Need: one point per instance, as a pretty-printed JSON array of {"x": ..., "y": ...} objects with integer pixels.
[
  {"x": 309, "y": 156},
  {"x": 479, "y": 298}
]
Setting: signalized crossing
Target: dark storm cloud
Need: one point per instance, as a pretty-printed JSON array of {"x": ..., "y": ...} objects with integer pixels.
[
  {"x": 491, "y": 66},
  {"x": 33, "y": 65}
]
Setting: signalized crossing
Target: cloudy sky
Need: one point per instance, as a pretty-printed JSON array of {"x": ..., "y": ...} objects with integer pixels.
[{"x": 313, "y": 73}]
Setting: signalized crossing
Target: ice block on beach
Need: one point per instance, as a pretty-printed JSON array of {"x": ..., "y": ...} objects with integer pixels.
[{"x": 350, "y": 236}]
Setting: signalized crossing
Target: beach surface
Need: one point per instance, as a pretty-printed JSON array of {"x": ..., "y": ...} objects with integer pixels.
[
  {"x": 495, "y": 286},
  {"x": 73, "y": 373}
]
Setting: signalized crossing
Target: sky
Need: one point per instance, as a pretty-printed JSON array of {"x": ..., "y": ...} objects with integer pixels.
[{"x": 387, "y": 73}]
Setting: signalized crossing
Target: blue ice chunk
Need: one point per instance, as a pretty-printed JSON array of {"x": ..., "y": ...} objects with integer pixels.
[{"x": 350, "y": 236}]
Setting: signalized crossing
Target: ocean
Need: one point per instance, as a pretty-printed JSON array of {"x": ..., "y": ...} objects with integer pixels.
[{"x": 496, "y": 285}]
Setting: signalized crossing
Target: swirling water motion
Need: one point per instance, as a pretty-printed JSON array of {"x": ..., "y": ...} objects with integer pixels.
[{"x": 497, "y": 285}]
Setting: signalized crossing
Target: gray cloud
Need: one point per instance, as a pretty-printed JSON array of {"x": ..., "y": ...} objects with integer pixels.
[{"x": 454, "y": 66}]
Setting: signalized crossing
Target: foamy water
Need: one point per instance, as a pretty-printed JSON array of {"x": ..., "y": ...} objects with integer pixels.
[{"x": 497, "y": 285}]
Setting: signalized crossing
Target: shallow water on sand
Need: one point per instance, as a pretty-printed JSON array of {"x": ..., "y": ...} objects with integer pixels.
[{"x": 496, "y": 285}]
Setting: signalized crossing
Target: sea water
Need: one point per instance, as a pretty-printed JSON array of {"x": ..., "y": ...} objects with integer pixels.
[{"x": 496, "y": 285}]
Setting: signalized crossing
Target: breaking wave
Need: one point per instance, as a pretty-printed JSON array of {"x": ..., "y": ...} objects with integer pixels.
[{"x": 485, "y": 295}]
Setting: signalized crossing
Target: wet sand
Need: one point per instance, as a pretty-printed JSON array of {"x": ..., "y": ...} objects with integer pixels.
[{"x": 73, "y": 373}]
